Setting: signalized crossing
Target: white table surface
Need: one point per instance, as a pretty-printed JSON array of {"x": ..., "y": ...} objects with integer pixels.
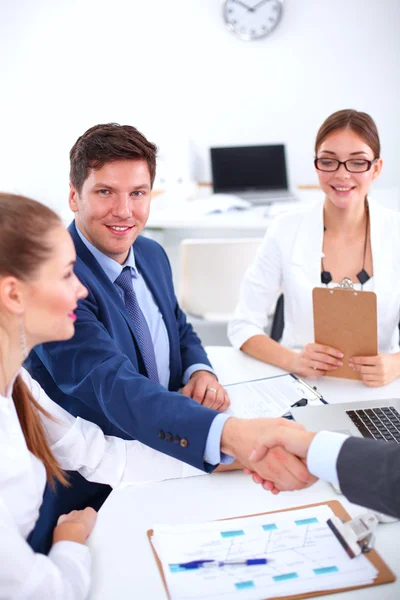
[
  {"x": 170, "y": 222},
  {"x": 251, "y": 219},
  {"x": 177, "y": 215},
  {"x": 123, "y": 564}
]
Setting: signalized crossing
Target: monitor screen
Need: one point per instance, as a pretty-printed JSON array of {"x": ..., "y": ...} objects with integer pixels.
[{"x": 249, "y": 168}]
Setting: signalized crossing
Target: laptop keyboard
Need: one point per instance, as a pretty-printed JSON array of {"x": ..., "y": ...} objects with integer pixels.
[{"x": 379, "y": 423}]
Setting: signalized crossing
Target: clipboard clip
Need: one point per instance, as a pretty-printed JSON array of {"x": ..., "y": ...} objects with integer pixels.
[
  {"x": 345, "y": 284},
  {"x": 357, "y": 536}
]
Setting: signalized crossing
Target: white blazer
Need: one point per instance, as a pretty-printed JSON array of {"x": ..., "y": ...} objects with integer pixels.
[{"x": 289, "y": 259}]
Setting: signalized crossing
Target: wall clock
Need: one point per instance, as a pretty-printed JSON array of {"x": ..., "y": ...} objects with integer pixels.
[{"x": 252, "y": 19}]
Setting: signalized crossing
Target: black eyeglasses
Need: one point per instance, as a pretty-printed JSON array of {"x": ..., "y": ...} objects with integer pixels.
[{"x": 353, "y": 165}]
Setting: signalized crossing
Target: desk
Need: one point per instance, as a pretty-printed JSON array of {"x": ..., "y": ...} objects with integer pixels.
[
  {"x": 232, "y": 366},
  {"x": 255, "y": 219},
  {"x": 123, "y": 564},
  {"x": 170, "y": 223}
]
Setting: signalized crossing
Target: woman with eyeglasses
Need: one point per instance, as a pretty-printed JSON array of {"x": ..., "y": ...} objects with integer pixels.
[
  {"x": 348, "y": 235},
  {"x": 39, "y": 293}
]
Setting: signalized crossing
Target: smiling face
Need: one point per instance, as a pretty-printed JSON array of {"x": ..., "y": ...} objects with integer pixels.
[
  {"x": 342, "y": 188},
  {"x": 113, "y": 206},
  {"x": 52, "y": 294}
]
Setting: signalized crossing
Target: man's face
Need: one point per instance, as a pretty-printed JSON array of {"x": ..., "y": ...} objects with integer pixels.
[{"x": 113, "y": 206}]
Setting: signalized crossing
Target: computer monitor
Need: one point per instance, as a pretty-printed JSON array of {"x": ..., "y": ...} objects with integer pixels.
[{"x": 249, "y": 169}]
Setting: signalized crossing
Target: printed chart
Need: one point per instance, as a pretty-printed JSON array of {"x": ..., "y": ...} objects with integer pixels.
[{"x": 303, "y": 555}]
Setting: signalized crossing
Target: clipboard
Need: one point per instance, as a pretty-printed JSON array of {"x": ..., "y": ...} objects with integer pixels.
[
  {"x": 271, "y": 397},
  {"x": 346, "y": 319},
  {"x": 385, "y": 574}
]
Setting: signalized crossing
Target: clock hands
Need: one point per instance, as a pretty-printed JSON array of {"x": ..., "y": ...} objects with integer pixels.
[
  {"x": 251, "y": 8},
  {"x": 254, "y": 19},
  {"x": 254, "y": 8},
  {"x": 243, "y": 4}
]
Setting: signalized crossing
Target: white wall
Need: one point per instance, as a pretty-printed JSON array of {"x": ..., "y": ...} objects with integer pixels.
[{"x": 173, "y": 70}]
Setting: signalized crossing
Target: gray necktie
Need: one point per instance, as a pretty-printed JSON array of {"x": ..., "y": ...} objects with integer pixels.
[{"x": 124, "y": 281}]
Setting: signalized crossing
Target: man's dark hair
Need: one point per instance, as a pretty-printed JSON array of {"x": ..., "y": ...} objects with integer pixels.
[{"x": 105, "y": 143}]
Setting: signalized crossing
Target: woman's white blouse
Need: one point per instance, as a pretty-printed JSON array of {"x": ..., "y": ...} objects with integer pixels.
[
  {"x": 289, "y": 260},
  {"x": 78, "y": 445}
]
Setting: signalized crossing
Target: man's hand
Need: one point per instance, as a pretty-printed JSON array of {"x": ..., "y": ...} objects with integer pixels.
[
  {"x": 376, "y": 370},
  {"x": 315, "y": 360},
  {"x": 278, "y": 469},
  {"x": 204, "y": 388},
  {"x": 296, "y": 442}
]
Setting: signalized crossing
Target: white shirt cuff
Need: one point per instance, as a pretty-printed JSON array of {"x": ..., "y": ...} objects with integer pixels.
[{"x": 323, "y": 455}]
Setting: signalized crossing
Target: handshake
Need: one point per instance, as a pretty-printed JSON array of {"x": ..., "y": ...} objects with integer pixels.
[{"x": 273, "y": 451}]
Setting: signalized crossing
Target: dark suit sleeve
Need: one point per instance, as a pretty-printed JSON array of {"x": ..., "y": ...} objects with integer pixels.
[
  {"x": 369, "y": 474},
  {"x": 91, "y": 369},
  {"x": 192, "y": 351}
]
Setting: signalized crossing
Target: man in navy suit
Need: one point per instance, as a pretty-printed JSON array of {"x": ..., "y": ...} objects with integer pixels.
[{"x": 133, "y": 348}]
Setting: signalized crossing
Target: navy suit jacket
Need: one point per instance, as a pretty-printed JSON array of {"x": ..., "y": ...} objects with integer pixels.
[{"x": 100, "y": 375}]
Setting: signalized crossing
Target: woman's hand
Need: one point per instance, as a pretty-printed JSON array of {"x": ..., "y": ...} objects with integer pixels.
[
  {"x": 75, "y": 526},
  {"x": 316, "y": 359},
  {"x": 376, "y": 370}
]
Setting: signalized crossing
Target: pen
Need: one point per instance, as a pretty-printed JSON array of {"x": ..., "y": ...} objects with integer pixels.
[{"x": 197, "y": 564}]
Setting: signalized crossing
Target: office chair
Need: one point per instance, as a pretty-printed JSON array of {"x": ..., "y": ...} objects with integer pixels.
[{"x": 212, "y": 271}]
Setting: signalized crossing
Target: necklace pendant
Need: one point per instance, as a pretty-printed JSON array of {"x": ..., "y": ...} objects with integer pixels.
[
  {"x": 363, "y": 276},
  {"x": 326, "y": 277}
]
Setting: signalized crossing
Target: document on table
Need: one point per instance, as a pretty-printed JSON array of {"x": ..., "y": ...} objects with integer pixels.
[
  {"x": 303, "y": 556},
  {"x": 270, "y": 397}
]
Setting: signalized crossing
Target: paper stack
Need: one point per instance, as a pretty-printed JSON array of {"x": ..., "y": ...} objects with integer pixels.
[{"x": 303, "y": 556}]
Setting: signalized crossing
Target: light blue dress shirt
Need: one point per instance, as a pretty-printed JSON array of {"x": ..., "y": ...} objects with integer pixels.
[{"x": 159, "y": 336}]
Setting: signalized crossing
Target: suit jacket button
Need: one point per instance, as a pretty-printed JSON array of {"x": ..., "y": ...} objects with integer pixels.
[
  {"x": 176, "y": 439},
  {"x": 183, "y": 443},
  {"x": 168, "y": 437},
  {"x": 161, "y": 434}
]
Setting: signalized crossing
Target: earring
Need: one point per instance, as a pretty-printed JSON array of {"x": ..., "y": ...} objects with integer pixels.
[{"x": 22, "y": 337}]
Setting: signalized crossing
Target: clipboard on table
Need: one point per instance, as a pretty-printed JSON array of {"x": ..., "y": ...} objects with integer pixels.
[
  {"x": 271, "y": 397},
  {"x": 346, "y": 319},
  {"x": 385, "y": 574}
]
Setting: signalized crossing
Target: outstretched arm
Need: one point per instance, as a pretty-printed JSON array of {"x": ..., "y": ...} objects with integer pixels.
[
  {"x": 368, "y": 471},
  {"x": 277, "y": 468}
]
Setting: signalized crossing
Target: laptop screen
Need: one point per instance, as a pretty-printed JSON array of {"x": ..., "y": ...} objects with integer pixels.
[{"x": 249, "y": 168}]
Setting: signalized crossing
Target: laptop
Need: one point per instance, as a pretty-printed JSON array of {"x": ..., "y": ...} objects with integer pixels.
[
  {"x": 254, "y": 173},
  {"x": 376, "y": 419}
]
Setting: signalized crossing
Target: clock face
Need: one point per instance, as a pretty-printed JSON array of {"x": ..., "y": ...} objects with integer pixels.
[{"x": 252, "y": 19}]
